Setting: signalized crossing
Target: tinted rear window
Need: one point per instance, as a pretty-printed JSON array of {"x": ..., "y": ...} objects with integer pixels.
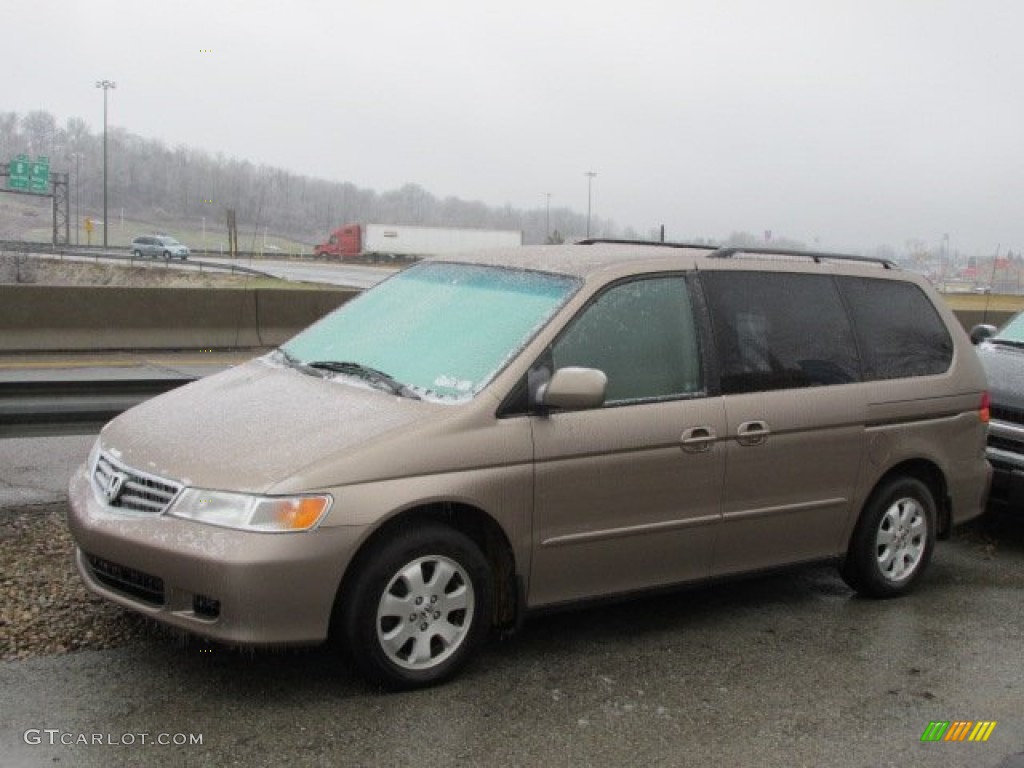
[
  {"x": 899, "y": 332},
  {"x": 780, "y": 331}
]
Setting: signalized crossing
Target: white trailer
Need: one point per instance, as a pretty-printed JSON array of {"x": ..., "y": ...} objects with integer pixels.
[{"x": 388, "y": 240}]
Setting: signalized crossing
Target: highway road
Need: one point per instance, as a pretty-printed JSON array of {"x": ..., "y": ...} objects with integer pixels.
[
  {"x": 348, "y": 275},
  {"x": 351, "y": 275}
]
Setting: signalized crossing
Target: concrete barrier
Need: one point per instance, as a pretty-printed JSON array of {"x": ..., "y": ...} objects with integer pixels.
[
  {"x": 974, "y": 308},
  {"x": 45, "y": 318},
  {"x": 41, "y": 318}
]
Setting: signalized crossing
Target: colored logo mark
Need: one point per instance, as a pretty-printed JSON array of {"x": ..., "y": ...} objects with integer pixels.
[{"x": 958, "y": 730}]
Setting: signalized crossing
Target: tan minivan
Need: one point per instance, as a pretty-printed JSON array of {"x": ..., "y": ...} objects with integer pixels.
[{"x": 477, "y": 438}]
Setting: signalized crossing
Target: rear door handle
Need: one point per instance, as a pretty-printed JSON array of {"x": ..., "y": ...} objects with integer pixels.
[
  {"x": 697, "y": 439},
  {"x": 751, "y": 433}
]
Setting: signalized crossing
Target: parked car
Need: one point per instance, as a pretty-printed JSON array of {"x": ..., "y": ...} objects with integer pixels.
[
  {"x": 478, "y": 438},
  {"x": 158, "y": 246},
  {"x": 1002, "y": 354}
]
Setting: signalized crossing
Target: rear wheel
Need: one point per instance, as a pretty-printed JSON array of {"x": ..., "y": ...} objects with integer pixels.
[
  {"x": 893, "y": 541},
  {"x": 167, "y": 255},
  {"x": 418, "y": 607}
]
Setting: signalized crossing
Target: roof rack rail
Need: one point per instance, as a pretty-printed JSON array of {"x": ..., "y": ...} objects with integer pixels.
[
  {"x": 596, "y": 240},
  {"x": 816, "y": 256}
]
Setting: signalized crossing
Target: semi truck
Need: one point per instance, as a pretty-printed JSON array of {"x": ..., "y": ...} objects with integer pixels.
[{"x": 375, "y": 242}]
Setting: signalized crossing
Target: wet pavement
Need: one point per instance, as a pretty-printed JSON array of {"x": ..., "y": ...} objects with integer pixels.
[{"x": 783, "y": 670}]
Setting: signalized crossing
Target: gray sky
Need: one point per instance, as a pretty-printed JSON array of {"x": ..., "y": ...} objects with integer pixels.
[{"x": 847, "y": 123}]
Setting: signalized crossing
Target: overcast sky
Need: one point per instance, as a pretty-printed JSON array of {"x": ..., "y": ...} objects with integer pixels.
[{"x": 846, "y": 124}]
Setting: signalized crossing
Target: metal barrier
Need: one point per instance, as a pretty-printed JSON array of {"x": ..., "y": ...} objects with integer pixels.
[
  {"x": 45, "y": 408},
  {"x": 98, "y": 252}
]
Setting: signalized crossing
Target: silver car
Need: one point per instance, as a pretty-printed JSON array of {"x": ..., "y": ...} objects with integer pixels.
[{"x": 158, "y": 246}]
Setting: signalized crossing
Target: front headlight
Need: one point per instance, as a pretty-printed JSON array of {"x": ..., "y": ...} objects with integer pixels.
[{"x": 267, "y": 514}]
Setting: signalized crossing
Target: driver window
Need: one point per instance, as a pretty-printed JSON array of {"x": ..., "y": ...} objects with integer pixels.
[{"x": 642, "y": 335}]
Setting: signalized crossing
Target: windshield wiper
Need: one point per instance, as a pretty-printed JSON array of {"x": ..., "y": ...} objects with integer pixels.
[
  {"x": 365, "y": 372},
  {"x": 1006, "y": 342},
  {"x": 294, "y": 362}
]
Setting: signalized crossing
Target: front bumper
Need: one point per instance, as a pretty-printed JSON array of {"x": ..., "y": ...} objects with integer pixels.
[
  {"x": 232, "y": 586},
  {"x": 1005, "y": 452}
]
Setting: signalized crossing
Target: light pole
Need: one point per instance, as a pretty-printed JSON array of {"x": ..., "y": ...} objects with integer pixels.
[
  {"x": 547, "y": 233},
  {"x": 590, "y": 178},
  {"x": 78, "y": 197},
  {"x": 106, "y": 85}
]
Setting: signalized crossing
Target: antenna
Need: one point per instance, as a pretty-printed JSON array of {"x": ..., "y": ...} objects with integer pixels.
[{"x": 991, "y": 283}]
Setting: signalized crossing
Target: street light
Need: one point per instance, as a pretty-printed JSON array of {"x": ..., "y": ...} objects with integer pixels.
[
  {"x": 106, "y": 85},
  {"x": 547, "y": 234},
  {"x": 590, "y": 178},
  {"x": 78, "y": 197}
]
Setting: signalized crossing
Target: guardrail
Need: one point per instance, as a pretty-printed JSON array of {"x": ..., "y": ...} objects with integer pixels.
[
  {"x": 27, "y": 246},
  {"x": 47, "y": 408},
  {"x": 99, "y": 252}
]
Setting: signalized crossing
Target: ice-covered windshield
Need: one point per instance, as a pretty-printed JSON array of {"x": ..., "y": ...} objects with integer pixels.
[
  {"x": 1013, "y": 331},
  {"x": 442, "y": 329}
]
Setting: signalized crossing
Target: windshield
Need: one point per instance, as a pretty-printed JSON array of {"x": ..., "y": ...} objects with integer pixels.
[
  {"x": 1013, "y": 331},
  {"x": 443, "y": 330}
]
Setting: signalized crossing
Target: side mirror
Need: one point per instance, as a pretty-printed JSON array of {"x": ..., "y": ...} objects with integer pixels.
[
  {"x": 574, "y": 388},
  {"x": 981, "y": 332}
]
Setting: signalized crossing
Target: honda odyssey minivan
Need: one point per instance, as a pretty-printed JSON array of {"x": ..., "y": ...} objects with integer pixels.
[{"x": 478, "y": 438}]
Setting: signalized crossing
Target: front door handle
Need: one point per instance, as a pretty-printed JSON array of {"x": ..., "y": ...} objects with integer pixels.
[
  {"x": 751, "y": 433},
  {"x": 697, "y": 439}
]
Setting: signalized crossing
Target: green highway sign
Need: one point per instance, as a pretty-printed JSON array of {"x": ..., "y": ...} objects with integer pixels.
[
  {"x": 19, "y": 172},
  {"x": 39, "y": 175},
  {"x": 25, "y": 175}
]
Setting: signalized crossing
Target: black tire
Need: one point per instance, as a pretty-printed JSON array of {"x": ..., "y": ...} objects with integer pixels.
[
  {"x": 894, "y": 539},
  {"x": 137, "y": 254},
  {"x": 167, "y": 255},
  {"x": 418, "y": 607}
]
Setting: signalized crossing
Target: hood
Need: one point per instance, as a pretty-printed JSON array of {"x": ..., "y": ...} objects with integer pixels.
[
  {"x": 253, "y": 426},
  {"x": 1004, "y": 369}
]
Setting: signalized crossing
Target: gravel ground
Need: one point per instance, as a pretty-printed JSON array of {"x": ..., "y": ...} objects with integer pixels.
[{"x": 44, "y": 608}]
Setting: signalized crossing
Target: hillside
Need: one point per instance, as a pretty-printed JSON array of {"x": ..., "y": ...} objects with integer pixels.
[{"x": 178, "y": 190}]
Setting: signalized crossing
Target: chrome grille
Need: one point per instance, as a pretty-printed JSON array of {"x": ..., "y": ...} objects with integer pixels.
[
  {"x": 1012, "y": 415},
  {"x": 124, "y": 488}
]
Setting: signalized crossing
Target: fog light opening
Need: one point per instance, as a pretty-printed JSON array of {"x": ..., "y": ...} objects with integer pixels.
[{"x": 204, "y": 606}]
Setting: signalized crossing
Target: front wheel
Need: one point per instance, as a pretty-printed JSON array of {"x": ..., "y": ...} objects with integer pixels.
[
  {"x": 418, "y": 607},
  {"x": 893, "y": 540},
  {"x": 167, "y": 255},
  {"x": 137, "y": 254}
]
